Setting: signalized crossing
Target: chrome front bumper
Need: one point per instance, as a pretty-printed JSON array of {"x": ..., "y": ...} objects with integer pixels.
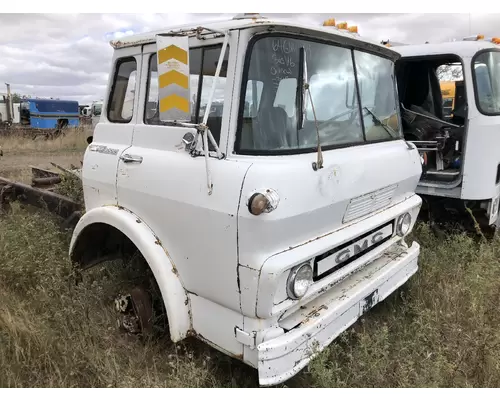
[{"x": 316, "y": 324}]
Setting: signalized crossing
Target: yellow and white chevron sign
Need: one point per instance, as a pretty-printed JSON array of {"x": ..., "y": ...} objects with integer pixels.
[{"x": 173, "y": 78}]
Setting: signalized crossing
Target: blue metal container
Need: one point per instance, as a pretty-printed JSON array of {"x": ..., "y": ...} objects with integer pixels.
[{"x": 50, "y": 114}]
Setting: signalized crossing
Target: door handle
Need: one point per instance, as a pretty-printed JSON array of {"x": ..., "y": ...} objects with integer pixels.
[{"x": 129, "y": 158}]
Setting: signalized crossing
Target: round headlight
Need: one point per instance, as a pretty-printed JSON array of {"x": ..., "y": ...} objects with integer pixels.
[
  {"x": 403, "y": 224},
  {"x": 299, "y": 280}
]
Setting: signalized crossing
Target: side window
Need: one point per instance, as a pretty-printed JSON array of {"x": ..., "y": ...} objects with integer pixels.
[
  {"x": 487, "y": 84},
  {"x": 378, "y": 96},
  {"x": 202, "y": 67},
  {"x": 152, "y": 115},
  {"x": 97, "y": 108},
  {"x": 210, "y": 60},
  {"x": 286, "y": 94},
  {"x": 483, "y": 84},
  {"x": 121, "y": 101},
  {"x": 253, "y": 95},
  {"x": 449, "y": 75},
  {"x": 195, "y": 59}
]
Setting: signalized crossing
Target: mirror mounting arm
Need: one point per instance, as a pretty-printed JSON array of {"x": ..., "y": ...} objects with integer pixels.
[{"x": 202, "y": 127}]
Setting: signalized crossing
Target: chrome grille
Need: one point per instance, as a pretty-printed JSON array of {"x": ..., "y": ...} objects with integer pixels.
[{"x": 369, "y": 203}]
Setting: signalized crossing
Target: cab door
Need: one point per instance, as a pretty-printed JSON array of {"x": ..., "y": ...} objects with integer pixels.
[
  {"x": 167, "y": 188},
  {"x": 113, "y": 134}
]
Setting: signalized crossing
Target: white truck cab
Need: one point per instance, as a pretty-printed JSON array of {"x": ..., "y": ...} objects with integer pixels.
[
  {"x": 461, "y": 157},
  {"x": 95, "y": 112},
  {"x": 259, "y": 168}
]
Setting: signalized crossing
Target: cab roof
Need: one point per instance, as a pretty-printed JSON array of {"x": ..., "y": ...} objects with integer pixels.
[
  {"x": 251, "y": 21},
  {"x": 462, "y": 48}
]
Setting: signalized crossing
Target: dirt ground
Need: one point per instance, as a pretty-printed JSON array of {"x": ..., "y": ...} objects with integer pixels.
[
  {"x": 19, "y": 154},
  {"x": 17, "y": 166}
]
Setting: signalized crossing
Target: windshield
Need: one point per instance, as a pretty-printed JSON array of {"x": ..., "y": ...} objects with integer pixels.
[
  {"x": 57, "y": 106},
  {"x": 487, "y": 82},
  {"x": 269, "y": 120}
]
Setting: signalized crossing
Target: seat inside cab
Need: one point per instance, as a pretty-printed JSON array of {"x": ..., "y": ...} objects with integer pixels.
[{"x": 424, "y": 86}]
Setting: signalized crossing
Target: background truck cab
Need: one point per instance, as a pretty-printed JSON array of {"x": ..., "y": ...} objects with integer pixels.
[
  {"x": 259, "y": 168},
  {"x": 459, "y": 146}
]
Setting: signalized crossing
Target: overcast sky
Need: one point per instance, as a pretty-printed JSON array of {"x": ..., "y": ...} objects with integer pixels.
[{"x": 68, "y": 55}]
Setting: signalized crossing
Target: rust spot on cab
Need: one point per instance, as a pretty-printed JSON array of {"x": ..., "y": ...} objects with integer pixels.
[{"x": 158, "y": 241}]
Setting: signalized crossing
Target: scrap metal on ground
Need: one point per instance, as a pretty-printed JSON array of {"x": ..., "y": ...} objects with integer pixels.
[{"x": 42, "y": 194}]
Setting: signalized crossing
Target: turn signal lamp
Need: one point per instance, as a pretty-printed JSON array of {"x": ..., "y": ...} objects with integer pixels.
[
  {"x": 265, "y": 201},
  {"x": 353, "y": 29},
  {"x": 495, "y": 40},
  {"x": 342, "y": 25},
  {"x": 329, "y": 22},
  {"x": 479, "y": 37}
]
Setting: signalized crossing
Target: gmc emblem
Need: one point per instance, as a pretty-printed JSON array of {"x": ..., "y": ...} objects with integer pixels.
[
  {"x": 358, "y": 247},
  {"x": 346, "y": 252}
]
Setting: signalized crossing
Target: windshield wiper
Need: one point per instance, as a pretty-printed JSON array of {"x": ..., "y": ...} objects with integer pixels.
[
  {"x": 304, "y": 91},
  {"x": 387, "y": 128}
]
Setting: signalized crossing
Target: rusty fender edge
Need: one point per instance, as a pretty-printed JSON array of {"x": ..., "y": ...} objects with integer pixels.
[{"x": 174, "y": 295}]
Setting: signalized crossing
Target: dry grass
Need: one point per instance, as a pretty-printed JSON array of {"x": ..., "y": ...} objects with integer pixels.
[
  {"x": 74, "y": 140},
  {"x": 71, "y": 186},
  {"x": 57, "y": 335},
  {"x": 20, "y": 152},
  {"x": 441, "y": 329}
]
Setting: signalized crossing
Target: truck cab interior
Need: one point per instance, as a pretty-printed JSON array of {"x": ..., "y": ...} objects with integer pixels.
[{"x": 427, "y": 122}]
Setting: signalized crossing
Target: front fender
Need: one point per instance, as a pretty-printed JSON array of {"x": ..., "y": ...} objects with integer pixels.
[{"x": 173, "y": 293}]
